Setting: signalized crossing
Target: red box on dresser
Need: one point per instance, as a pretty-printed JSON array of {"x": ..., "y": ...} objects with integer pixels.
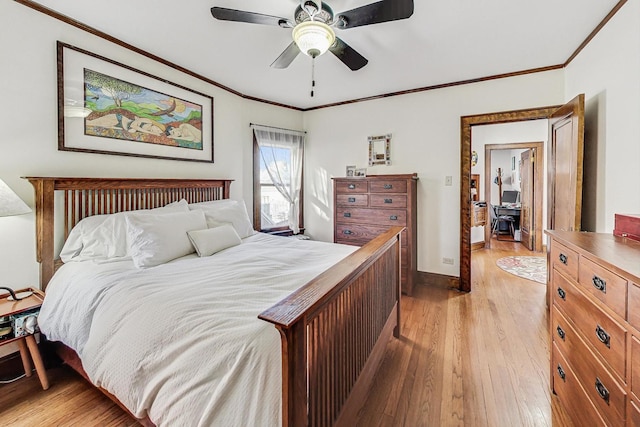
[{"x": 627, "y": 225}]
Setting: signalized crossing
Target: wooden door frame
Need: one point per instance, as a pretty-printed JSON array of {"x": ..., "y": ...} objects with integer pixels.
[
  {"x": 538, "y": 149},
  {"x": 466, "y": 123}
]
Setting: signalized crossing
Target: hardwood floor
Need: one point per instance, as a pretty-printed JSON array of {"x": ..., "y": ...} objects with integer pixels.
[{"x": 477, "y": 359}]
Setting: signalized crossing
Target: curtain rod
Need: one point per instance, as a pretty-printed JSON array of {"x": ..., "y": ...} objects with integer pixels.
[{"x": 273, "y": 127}]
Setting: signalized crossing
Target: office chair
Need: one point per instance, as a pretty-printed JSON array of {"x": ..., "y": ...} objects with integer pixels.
[{"x": 502, "y": 219}]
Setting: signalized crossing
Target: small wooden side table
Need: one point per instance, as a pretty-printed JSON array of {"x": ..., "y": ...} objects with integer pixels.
[{"x": 27, "y": 344}]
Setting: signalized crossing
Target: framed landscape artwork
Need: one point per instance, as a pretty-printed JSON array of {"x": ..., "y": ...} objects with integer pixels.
[{"x": 109, "y": 108}]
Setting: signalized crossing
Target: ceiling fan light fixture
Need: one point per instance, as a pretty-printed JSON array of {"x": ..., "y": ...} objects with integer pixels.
[{"x": 313, "y": 38}]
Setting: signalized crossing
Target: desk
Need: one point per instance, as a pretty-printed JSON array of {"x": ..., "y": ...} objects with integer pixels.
[{"x": 511, "y": 210}]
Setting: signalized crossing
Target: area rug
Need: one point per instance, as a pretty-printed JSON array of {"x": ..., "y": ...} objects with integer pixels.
[{"x": 528, "y": 267}]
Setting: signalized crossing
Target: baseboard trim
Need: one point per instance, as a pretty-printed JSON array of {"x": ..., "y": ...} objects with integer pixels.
[
  {"x": 439, "y": 280},
  {"x": 477, "y": 245}
]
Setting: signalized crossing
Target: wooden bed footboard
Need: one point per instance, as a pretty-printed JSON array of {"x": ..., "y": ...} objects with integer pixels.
[{"x": 334, "y": 332}]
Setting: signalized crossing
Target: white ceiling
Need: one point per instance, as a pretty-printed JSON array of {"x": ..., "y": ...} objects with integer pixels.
[{"x": 443, "y": 42}]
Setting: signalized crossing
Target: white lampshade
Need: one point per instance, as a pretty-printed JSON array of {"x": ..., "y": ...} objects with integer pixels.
[
  {"x": 10, "y": 203},
  {"x": 313, "y": 38}
]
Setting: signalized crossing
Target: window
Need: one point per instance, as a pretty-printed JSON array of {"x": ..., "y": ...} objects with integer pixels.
[{"x": 277, "y": 166}]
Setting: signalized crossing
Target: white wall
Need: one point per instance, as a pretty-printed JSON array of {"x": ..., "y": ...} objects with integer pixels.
[
  {"x": 29, "y": 142},
  {"x": 607, "y": 71},
  {"x": 426, "y": 140}
]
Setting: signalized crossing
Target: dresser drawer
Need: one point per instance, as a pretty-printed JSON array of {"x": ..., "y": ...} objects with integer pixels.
[
  {"x": 606, "y": 286},
  {"x": 354, "y": 186},
  {"x": 562, "y": 333},
  {"x": 355, "y": 234},
  {"x": 372, "y": 216},
  {"x": 633, "y": 315},
  {"x": 388, "y": 200},
  {"x": 352, "y": 200},
  {"x": 562, "y": 291},
  {"x": 635, "y": 366},
  {"x": 602, "y": 388},
  {"x": 634, "y": 414},
  {"x": 389, "y": 186},
  {"x": 604, "y": 334},
  {"x": 564, "y": 259},
  {"x": 570, "y": 392}
]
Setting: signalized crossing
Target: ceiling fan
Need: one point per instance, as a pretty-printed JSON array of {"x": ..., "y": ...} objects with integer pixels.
[{"x": 314, "y": 23}]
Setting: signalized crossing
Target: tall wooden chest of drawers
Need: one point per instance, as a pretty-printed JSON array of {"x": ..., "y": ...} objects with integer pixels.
[
  {"x": 594, "y": 289},
  {"x": 366, "y": 207}
]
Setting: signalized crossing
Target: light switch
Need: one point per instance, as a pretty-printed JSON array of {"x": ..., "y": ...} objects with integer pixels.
[{"x": 448, "y": 180}]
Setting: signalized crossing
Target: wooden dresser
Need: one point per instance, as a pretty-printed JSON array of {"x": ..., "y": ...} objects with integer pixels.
[
  {"x": 594, "y": 288},
  {"x": 365, "y": 207}
]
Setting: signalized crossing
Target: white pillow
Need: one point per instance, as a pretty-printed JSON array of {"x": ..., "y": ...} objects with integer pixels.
[
  {"x": 234, "y": 212},
  {"x": 211, "y": 240},
  {"x": 105, "y": 236},
  {"x": 156, "y": 239},
  {"x": 73, "y": 245}
]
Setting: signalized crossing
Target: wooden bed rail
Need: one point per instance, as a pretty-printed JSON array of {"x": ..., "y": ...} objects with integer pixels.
[
  {"x": 85, "y": 197},
  {"x": 334, "y": 331}
]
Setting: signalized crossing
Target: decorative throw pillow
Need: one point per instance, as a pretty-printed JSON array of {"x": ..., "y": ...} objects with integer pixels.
[
  {"x": 234, "y": 213},
  {"x": 211, "y": 240}
]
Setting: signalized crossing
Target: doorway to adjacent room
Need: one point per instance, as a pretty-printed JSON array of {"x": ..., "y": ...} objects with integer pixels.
[{"x": 530, "y": 177}]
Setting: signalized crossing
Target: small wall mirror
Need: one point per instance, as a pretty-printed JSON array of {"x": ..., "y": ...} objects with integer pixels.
[{"x": 380, "y": 150}]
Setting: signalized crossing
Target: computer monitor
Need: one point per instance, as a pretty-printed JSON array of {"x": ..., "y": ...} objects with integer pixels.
[{"x": 510, "y": 196}]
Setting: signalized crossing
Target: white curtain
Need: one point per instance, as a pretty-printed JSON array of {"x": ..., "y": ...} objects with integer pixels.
[{"x": 286, "y": 180}]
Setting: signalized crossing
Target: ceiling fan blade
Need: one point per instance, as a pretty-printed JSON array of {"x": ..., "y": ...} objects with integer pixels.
[
  {"x": 287, "y": 56},
  {"x": 348, "y": 55},
  {"x": 225, "y": 14},
  {"x": 375, "y": 13}
]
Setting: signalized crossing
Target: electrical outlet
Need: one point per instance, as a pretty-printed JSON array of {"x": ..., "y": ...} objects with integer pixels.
[
  {"x": 446, "y": 260},
  {"x": 448, "y": 180}
]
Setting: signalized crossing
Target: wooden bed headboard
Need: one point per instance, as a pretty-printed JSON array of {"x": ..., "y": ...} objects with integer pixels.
[{"x": 85, "y": 197}]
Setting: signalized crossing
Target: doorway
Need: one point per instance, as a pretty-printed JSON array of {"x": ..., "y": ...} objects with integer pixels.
[
  {"x": 537, "y": 184},
  {"x": 466, "y": 124}
]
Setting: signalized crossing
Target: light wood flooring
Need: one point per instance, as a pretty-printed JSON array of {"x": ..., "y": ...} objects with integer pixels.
[{"x": 477, "y": 359}]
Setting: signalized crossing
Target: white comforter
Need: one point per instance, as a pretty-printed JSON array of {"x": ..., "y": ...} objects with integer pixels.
[{"x": 181, "y": 342}]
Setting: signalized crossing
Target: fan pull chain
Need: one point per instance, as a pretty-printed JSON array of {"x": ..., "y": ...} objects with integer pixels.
[{"x": 313, "y": 74}]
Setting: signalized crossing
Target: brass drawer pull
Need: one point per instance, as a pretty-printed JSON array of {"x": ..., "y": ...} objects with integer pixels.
[
  {"x": 388, "y": 186},
  {"x": 347, "y": 232},
  {"x": 563, "y": 258},
  {"x": 388, "y": 200},
  {"x": 599, "y": 284},
  {"x": 561, "y": 332},
  {"x": 561, "y": 373},
  {"x": 351, "y": 186},
  {"x": 393, "y": 217},
  {"x": 347, "y": 214},
  {"x": 603, "y": 336},
  {"x": 562, "y": 294},
  {"x": 602, "y": 390},
  {"x": 351, "y": 199}
]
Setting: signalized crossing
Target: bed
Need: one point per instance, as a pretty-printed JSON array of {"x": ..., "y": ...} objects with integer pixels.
[{"x": 331, "y": 328}]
